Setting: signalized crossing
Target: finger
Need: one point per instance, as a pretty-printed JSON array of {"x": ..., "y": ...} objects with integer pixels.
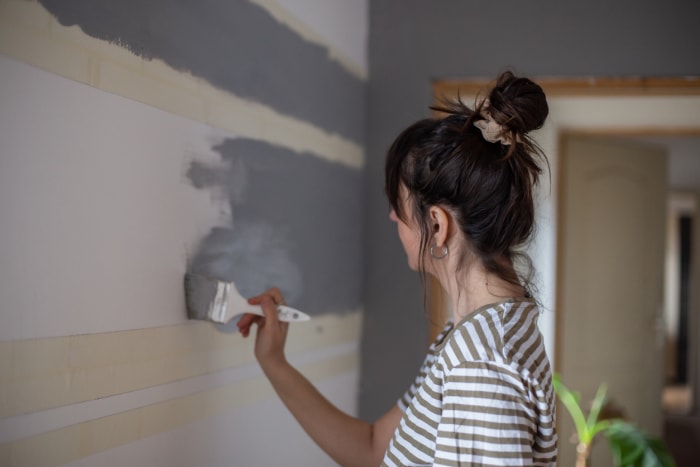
[
  {"x": 245, "y": 322},
  {"x": 274, "y": 293},
  {"x": 255, "y": 300},
  {"x": 244, "y": 330},
  {"x": 269, "y": 308}
]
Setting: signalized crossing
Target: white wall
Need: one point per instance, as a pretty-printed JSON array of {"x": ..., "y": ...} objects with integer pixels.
[{"x": 90, "y": 185}]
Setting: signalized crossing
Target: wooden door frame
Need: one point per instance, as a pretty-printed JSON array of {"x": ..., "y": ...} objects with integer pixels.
[{"x": 586, "y": 87}]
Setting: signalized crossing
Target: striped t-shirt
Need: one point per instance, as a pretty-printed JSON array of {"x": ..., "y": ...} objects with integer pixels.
[{"x": 483, "y": 396}]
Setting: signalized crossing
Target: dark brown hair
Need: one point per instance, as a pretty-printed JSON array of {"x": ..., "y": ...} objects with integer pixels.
[{"x": 487, "y": 187}]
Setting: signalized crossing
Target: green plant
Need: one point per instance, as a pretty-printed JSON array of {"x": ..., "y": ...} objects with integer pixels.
[{"x": 630, "y": 445}]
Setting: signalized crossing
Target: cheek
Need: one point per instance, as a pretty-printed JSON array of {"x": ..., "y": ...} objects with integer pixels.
[
  {"x": 404, "y": 232},
  {"x": 409, "y": 238}
]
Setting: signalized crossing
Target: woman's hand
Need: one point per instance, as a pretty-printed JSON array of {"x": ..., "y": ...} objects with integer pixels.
[{"x": 271, "y": 333}]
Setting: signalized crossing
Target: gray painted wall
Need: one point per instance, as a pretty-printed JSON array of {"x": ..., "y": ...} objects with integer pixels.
[{"x": 413, "y": 42}]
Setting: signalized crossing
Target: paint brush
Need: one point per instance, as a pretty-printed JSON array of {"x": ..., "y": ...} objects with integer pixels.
[{"x": 214, "y": 300}]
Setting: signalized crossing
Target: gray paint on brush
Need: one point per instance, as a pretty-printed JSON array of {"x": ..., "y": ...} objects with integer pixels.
[
  {"x": 236, "y": 46},
  {"x": 200, "y": 295},
  {"x": 295, "y": 225}
]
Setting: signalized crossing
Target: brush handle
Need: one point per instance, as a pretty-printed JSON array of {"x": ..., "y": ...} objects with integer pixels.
[
  {"x": 289, "y": 314},
  {"x": 286, "y": 313}
]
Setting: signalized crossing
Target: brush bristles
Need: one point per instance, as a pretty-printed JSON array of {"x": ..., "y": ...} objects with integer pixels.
[{"x": 200, "y": 292}]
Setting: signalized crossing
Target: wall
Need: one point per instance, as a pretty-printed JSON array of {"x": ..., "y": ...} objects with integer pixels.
[
  {"x": 140, "y": 139},
  {"x": 413, "y": 43}
]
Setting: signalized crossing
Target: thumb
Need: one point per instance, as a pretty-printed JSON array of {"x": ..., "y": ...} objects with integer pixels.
[{"x": 269, "y": 309}]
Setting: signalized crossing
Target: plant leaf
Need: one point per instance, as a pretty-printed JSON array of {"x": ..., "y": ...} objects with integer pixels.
[
  {"x": 633, "y": 447},
  {"x": 596, "y": 407},
  {"x": 602, "y": 425},
  {"x": 570, "y": 401}
]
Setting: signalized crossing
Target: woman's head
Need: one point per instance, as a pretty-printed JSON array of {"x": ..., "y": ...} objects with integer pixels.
[{"x": 487, "y": 187}]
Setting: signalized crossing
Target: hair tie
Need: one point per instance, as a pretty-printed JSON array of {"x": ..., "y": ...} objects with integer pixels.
[{"x": 492, "y": 131}]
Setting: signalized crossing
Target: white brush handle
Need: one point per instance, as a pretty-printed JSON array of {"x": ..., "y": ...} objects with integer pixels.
[
  {"x": 229, "y": 303},
  {"x": 286, "y": 313}
]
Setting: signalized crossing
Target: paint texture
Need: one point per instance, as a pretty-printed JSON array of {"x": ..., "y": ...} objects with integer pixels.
[
  {"x": 294, "y": 225},
  {"x": 236, "y": 46}
]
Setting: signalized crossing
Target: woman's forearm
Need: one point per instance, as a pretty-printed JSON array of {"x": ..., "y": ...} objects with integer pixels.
[{"x": 348, "y": 440}]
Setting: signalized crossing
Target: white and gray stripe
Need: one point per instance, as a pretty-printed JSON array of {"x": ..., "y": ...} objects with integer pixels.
[{"x": 483, "y": 395}]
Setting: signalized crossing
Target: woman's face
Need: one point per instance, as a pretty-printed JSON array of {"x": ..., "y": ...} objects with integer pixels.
[{"x": 409, "y": 233}]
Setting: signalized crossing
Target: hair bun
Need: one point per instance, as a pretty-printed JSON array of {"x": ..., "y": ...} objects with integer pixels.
[{"x": 517, "y": 104}]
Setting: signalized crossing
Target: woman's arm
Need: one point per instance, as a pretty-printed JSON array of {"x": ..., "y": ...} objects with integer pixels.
[{"x": 348, "y": 440}]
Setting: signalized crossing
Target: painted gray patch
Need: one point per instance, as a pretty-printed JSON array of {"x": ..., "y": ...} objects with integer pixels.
[
  {"x": 254, "y": 256},
  {"x": 297, "y": 225},
  {"x": 236, "y": 46}
]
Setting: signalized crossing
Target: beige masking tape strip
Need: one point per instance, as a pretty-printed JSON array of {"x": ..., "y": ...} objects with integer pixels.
[
  {"x": 30, "y": 34},
  {"x": 75, "y": 442},
  {"x": 28, "y": 425},
  {"x": 40, "y": 374}
]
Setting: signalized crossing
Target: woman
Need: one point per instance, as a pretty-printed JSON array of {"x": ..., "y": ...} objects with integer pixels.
[{"x": 461, "y": 192}]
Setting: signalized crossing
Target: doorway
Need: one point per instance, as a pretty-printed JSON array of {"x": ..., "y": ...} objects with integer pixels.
[
  {"x": 611, "y": 237},
  {"x": 680, "y": 271},
  {"x": 676, "y": 340}
]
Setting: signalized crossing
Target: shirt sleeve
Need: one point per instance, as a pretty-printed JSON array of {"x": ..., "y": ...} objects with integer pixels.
[
  {"x": 486, "y": 418},
  {"x": 407, "y": 396},
  {"x": 428, "y": 362}
]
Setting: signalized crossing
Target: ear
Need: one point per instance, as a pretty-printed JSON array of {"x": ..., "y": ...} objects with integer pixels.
[{"x": 441, "y": 223}]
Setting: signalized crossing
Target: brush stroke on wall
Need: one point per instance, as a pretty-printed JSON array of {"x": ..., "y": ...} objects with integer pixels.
[
  {"x": 294, "y": 225},
  {"x": 222, "y": 42}
]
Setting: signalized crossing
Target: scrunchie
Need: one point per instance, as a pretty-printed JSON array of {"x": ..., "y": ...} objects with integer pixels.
[{"x": 492, "y": 131}]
